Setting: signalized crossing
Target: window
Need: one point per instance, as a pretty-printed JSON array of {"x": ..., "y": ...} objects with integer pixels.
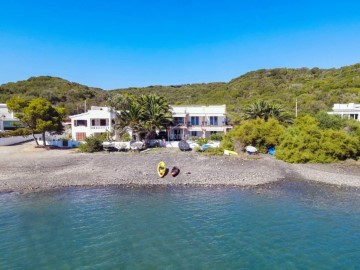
[
  {"x": 178, "y": 120},
  {"x": 213, "y": 132},
  {"x": 102, "y": 122},
  {"x": 195, "y": 120},
  {"x": 193, "y": 134},
  {"x": 80, "y": 123},
  {"x": 80, "y": 136},
  {"x": 93, "y": 122},
  {"x": 213, "y": 120}
]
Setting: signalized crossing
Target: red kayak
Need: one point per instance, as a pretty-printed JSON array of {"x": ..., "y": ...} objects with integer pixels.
[{"x": 175, "y": 171}]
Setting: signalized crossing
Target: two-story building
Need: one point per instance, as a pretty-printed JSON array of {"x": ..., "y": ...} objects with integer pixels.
[
  {"x": 95, "y": 121},
  {"x": 188, "y": 121},
  {"x": 348, "y": 111},
  {"x": 198, "y": 121}
]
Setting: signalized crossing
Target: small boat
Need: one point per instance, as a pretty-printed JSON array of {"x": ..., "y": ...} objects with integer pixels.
[
  {"x": 230, "y": 153},
  {"x": 184, "y": 146},
  {"x": 175, "y": 171},
  {"x": 161, "y": 169},
  {"x": 251, "y": 150}
]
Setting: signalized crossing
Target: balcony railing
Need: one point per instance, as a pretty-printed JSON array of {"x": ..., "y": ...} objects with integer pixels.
[{"x": 99, "y": 127}]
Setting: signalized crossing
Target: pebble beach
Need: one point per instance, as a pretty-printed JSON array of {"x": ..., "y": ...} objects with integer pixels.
[{"x": 24, "y": 168}]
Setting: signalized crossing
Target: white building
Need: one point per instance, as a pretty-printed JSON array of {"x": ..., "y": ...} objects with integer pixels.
[
  {"x": 7, "y": 119},
  {"x": 189, "y": 121},
  {"x": 95, "y": 121},
  {"x": 198, "y": 121},
  {"x": 348, "y": 111}
]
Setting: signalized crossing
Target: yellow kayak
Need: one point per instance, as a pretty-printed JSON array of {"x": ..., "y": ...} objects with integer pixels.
[
  {"x": 230, "y": 153},
  {"x": 161, "y": 169}
]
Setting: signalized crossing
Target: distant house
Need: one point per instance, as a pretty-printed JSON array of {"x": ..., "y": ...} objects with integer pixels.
[
  {"x": 7, "y": 119},
  {"x": 198, "y": 121},
  {"x": 348, "y": 111},
  {"x": 95, "y": 121},
  {"x": 188, "y": 121}
]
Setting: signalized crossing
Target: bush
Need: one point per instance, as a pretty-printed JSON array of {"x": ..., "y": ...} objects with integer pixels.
[
  {"x": 126, "y": 137},
  {"x": 16, "y": 132},
  {"x": 92, "y": 144},
  {"x": 258, "y": 132},
  {"x": 227, "y": 143},
  {"x": 307, "y": 142},
  {"x": 216, "y": 137},
  {"x": 202, "y": 141}
]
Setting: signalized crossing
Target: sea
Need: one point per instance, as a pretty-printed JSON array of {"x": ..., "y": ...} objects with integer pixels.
[{"x": 284, "y": 225}]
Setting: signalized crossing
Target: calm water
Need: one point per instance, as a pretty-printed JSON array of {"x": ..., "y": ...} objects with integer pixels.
[{"x": 289, "y": 225}]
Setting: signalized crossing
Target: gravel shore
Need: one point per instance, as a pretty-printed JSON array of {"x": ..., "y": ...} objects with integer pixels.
[{"x": 25, "y": 168}]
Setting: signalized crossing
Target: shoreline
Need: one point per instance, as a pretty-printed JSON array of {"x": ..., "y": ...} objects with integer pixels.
[{"x": 29, "y": 169}]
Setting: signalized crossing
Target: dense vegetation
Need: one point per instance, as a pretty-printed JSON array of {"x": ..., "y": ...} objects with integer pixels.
[
  {"x": 306, "y": 141},
  {"x": 143, "y": 115},
  {"x": 316, "y": 89},
  {"x": 260, "y": 96}
]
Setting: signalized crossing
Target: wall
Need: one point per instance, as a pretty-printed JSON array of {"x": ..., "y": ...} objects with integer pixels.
[{"x": 15, "y": 140}]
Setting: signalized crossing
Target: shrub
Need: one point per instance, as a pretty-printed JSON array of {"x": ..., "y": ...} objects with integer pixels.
[
  {"x": 16, "y": 132},
  {"x": 307, "y": 142},
  {"x": 202, "y": 141},
  {"x": 126, "y": 137},
  {"x": 227, "y": 143},
  {"x": 216, "y": 137},
  {"x": 92, "y": 144},
  {"x": 258, "y": 132}
]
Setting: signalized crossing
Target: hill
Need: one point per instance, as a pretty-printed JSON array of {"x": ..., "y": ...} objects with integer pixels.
[
  {"x": 316, "y": 89},
  {"x": 58, "y": 91}
]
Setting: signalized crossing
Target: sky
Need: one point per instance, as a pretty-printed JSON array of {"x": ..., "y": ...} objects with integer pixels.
[{"x": 118, "y": 44}]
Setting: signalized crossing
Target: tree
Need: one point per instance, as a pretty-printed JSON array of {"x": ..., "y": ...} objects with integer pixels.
[
  {"x": 264, "y": 110},
  {"x": 258, "y": 132},
  {"x": 306, "y": 141},
  {"x": 117, "y": 104},
  {"x": 156, "y": 114},
  {"x": 143, "y": 115},
  {"x": 38, "y": 115},
  {"x": 131, "y": 119}
]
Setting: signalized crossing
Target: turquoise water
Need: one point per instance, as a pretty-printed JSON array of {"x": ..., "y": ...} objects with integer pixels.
[{"x": 289, "y": 225}]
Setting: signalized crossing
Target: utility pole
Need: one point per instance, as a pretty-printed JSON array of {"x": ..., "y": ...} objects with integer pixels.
[
  {"x": 85, "y": 106},
  {"x": 296, "y": 107}
]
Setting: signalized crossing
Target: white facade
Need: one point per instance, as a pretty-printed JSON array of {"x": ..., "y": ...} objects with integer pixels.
[
  {"x": 198, "y": 121},
  {"x": 348, "y": 111},
  {"x": 189, "y": 121},
  {"x": 7, "y": 118},
  {"x": 95, "y": 121}
]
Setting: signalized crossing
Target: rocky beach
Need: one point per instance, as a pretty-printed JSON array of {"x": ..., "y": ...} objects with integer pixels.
[{"x": 24, "y": 168}]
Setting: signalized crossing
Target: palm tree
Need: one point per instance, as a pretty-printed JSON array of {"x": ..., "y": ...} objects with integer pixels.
[
  {"x": 131, "y": 119},
  {"x": 146, "y": 114},
  {"x": 263, "y": 109},
  {"x": 156, "y": 114}
]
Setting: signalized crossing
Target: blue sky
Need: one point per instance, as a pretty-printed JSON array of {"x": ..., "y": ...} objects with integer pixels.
[{"x": 116, "y": 44}]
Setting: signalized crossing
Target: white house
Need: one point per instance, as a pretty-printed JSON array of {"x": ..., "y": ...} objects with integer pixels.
[
  {"x": 95, "y": 121},
  {"x": 7, "y": 119},
  {"x": 198, "y": 121},
  {"x": 347, "y": 111},
  {"x": 189, "y": 121}
]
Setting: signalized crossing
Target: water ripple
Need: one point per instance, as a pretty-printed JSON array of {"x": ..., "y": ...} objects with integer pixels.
[{"x": 288, "y": 225}]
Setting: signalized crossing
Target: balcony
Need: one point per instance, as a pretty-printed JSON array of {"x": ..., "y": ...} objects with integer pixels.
[{"x": 100, "y": 127}]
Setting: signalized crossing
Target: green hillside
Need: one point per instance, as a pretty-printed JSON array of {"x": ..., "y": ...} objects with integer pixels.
[
  {"x": 58, "y": 91},
  {"x": 316, "y": 89}
]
